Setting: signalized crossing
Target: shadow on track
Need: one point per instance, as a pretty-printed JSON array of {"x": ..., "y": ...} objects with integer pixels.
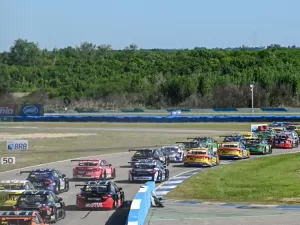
[
  {"x": 127, "y": 166},
  {"x": 120, "y": 215}
]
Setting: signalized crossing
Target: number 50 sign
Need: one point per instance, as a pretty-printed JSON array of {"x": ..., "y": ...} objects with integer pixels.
[{"x": 8, "y": 160}]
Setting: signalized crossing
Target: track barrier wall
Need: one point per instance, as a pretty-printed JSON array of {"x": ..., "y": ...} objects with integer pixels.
[
  {"x": 153, "y": 119},
  {"x": 141, "y": 204}
]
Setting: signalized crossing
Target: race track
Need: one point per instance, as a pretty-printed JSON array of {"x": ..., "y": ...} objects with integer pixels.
[{"x": 118, "y": 160}]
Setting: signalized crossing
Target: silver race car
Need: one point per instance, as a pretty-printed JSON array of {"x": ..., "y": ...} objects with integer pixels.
[{"x": 175, "y": 152}]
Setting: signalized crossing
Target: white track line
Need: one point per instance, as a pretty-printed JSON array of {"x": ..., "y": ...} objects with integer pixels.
[{"x": 66, "y": 160}]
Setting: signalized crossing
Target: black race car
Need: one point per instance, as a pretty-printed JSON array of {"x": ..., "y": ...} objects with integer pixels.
[
  {"x": 100, "y": 195},
  {"x": 149, "y": 153},
  {"x": 148, "y": 170},
  {"x": 48, "y": 179},
  {"x": 50, "y": 206}
]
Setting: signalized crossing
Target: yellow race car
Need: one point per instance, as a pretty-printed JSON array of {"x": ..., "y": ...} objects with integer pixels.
[
  {"x": 233, "y": 150},
  {"x": 201, "y": 157},
  {"x": 10, "y": 190},
  {"x": 248, "y": 135}
]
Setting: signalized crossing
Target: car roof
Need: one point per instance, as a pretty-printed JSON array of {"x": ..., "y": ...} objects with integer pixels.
[
  {"x": 19, "y": 213},
  {"x": 14, "y": 181},
  {"x": 43, "y": 170},
  {"x": 39, "y": 192}
]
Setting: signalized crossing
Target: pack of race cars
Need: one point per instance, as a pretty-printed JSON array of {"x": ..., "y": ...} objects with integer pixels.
[{"x": 36, "y": 199}]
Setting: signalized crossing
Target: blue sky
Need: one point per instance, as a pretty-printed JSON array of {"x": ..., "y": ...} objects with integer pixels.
[{"x": 150, "y": 23}]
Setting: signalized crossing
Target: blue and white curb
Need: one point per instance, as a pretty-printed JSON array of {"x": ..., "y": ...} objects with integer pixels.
[{"x": 173, "y": 182}]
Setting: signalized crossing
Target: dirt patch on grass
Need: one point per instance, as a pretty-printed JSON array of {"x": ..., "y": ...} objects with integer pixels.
[
  {"x": 9, "y": 136},
  {"x": 291, "y": 200}
]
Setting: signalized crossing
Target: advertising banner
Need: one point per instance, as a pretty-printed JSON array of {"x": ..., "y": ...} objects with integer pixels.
[
  {"x": 8, "y": 110},
  {"x": 17, "y": 145},
  {"x": 32, "y": 110}
]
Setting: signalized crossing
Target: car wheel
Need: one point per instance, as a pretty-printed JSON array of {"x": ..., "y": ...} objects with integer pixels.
[
  {"x": 113, "y": 174},
  {"x": 116, "y": 203},
  {"x": 271, "y": 150},
  {"x": 67, "y": 186},
  {"x": 103, "y": 176},
  {"x": 55, "y": 215},
  {"x": 57, "y": 189},
  {"x": 63, "y": 213}
]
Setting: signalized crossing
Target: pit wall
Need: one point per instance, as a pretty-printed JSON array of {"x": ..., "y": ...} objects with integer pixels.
[{"x": 141, "y": 204}]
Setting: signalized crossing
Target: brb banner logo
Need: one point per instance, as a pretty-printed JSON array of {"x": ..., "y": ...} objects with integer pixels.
[{"x": 32, "y": 110}]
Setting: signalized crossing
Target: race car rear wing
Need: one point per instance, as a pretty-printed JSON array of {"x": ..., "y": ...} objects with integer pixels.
[
  {"x": 21, "y": 172},
  {"x": 85, "y": 160}
]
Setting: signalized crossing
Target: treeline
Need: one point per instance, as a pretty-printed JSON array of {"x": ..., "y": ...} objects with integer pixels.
[{"x": 97, "y": 76}]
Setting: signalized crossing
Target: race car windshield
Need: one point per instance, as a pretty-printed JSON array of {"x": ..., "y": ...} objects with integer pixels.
[
  {"x": 230, "y": 139},
  {"x": 191, "y": 145},
  {"x": 88, "y": 164},
  {"x": 96, "y": 189},
  {"x": 144, "y": 153},
  {"x": 9, "y": 187},
  {"x": 144, "y": 166},
  {"x": 253, "y": 141},
  {"x": 42, "y": 174},
  {"x": 31, "y": 199},
  {"x": 171, "y": 150}
]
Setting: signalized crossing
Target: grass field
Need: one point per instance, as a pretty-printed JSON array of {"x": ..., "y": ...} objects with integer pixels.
[
  {"x": 268, "y": 180},
  {"x": 52, "y": 145},
  {"x": 195, "y": 126}
]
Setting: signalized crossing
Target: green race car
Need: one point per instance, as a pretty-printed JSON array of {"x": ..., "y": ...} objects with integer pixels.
[
  {"x": 268, "y": 135},
  {"x": 209, "y": 142},
  {"x": 258, "y": 146}
]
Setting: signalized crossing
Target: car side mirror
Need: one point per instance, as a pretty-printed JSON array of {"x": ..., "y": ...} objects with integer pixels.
[
  {"x": 63, "y": 175},
  {"x": 165, "y": 166},
  {"x": 109, "y": 165},
  {"x": 120, "y": 189},
  {"x": 59, "y": 199}
]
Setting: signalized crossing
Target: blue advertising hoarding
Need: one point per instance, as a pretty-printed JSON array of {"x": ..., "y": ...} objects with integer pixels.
[{"x": 32, "y": 110}]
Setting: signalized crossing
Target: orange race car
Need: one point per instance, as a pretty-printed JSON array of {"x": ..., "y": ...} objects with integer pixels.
[{"x": 22, "y": 218}]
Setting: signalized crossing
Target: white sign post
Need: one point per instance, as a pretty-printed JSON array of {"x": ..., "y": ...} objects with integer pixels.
[
  {"x": 8, "y": 160},
  {"x": 17, "y": 145}
]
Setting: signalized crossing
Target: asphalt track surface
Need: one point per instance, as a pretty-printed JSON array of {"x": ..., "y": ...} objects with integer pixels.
[{"x": 119, "y": 161}]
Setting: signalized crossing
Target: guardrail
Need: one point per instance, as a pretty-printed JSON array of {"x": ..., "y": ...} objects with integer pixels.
[
  {"x": 141, "y": 204},
  {"x": 154, "y": 119}
]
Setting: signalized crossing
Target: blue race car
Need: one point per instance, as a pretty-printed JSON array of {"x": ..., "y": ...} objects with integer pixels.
[
  {"x": 48, "y": 179},
  {"x": 148, "y": 170},
  {"x": 234, "y": 138}
]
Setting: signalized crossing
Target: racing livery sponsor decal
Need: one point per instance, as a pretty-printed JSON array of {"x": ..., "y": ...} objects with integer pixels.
[
  {"x": 93, "y": 205},
  {"x": 8, "y": 110}
]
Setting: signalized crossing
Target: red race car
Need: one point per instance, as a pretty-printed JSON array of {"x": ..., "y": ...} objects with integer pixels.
[
  {"x": 93, "y": 169},
  {"x": 100, "y": 195},
  {"x": 282, "y": 141}
]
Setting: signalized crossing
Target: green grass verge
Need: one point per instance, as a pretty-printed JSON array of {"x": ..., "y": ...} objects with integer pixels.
[
  {"x": 267, "y": 180},
  {"x": 196, "y": 126}
]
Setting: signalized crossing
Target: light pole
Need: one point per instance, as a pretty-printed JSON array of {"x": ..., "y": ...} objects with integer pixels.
[{"x": 252, "y": 107}]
